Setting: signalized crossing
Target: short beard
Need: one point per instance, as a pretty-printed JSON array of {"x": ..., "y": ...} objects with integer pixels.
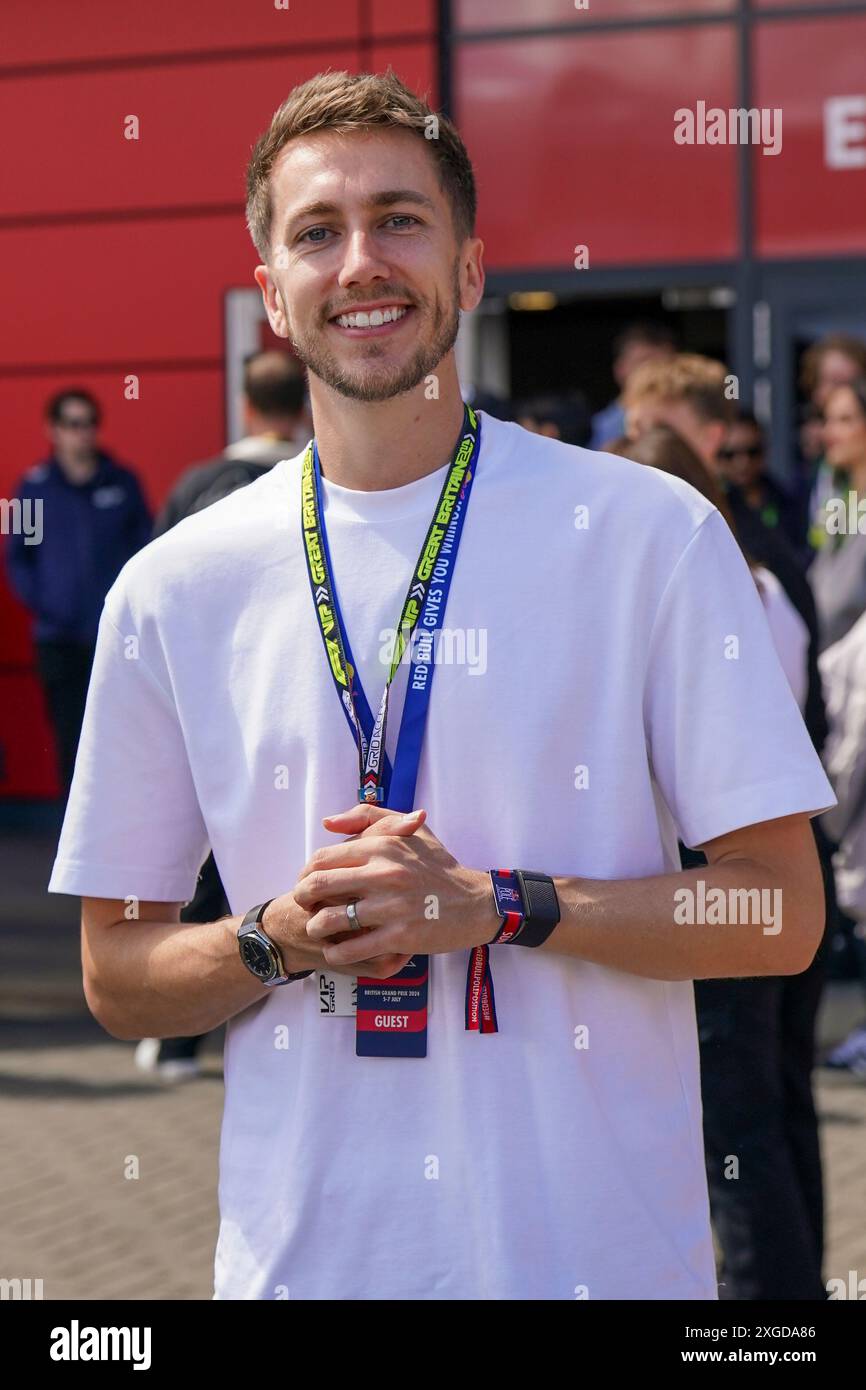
[{"x": 369, "y": 386}]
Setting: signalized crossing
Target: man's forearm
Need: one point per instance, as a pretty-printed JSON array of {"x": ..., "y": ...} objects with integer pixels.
[
  {"x": 676, "y": 927},
  {"x": 173, "y": 979}
]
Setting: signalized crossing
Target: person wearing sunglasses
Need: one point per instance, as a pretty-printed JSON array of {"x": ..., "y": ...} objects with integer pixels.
[
  {"x": 741, "y": 466},
  {"x": 86, "y": 517}
]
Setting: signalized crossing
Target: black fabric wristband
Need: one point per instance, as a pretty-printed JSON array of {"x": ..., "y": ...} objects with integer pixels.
[
  {"x": 539, "y": 909},
  {"x": 542, "y": 907}
]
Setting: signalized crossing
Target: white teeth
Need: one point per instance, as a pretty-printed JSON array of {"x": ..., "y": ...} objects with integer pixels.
[{"x": 374, "y": 319}]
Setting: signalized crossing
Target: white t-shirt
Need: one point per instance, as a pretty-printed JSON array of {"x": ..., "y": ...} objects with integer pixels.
[{"x": 601, "y": 711}]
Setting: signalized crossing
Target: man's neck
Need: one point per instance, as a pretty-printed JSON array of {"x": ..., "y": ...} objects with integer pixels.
[
  {"x": 78, "y": 469},
  {"x": 372, "y": 446}
]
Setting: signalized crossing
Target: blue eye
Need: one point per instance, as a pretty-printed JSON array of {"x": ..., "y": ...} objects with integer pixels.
[{"x": 310, "y": 233}]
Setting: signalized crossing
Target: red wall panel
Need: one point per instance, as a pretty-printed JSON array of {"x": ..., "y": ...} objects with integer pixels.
[
  {"x": 573, "y": 144},
  {"x": 414, "y": 63},
  {"x": 197, "y": 126},
  {"x": 517, "y": 14},
  {"x": 56, "y": 31},
  {"x": 805, "y": 207},
  {"x": 799, "y": 4},
  {"x": 120, "y": 292},
  {"x": 403, "y": 16},
  {"x": 28, "y": 762}
]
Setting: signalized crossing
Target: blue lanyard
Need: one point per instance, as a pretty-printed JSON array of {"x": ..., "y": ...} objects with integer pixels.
[{"x": 423, "y": 611}]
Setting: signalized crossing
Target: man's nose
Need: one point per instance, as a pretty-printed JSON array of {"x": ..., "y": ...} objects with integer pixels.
[{"x": 362, "y": 259}]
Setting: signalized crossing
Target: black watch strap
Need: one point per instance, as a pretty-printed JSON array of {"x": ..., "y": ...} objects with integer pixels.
[{"x": 253, "y": 918}]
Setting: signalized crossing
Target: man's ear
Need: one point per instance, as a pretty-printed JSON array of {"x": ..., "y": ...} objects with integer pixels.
[
  {"x": 471, "y": 274},
  {"x": 272, "y": 301}
]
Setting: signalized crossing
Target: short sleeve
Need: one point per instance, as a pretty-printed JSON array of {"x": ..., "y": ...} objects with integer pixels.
[
  {"x": 133, "y": 825},
  {"x": 726, "y": 740}
]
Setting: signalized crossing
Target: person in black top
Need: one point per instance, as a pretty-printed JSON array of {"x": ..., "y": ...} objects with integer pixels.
[
  {"x": 741, "y": 468},
  {"x": 277, "y": 426}
]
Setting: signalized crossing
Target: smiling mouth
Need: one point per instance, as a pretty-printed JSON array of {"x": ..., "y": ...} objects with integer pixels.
[{"x": 362, "y": 322}]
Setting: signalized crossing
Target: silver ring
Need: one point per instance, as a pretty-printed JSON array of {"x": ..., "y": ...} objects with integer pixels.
[{"x": 354, "y": 924}]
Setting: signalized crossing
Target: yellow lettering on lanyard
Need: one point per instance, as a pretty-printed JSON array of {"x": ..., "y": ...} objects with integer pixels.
[
  {"x": 317, "y": 569},
  {"x": 455, "y": 482},
  {"x": 334, "y": 658},
  {"x": 308, "y": 495},
  {"x": 428, "y": 560}
]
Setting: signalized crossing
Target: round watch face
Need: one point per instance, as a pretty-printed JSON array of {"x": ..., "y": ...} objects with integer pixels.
[{"x": 258, "y": 958}]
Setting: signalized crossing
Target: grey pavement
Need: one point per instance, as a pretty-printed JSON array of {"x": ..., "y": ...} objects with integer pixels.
[{"x": 108, "y": 1177}]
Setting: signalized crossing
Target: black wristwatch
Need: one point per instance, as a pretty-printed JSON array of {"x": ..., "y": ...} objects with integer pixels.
[{"x": 259, "y": 954}]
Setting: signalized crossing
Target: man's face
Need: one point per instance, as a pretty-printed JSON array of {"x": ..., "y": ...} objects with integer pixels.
[
  {"x": 703, "y": 436},
  {"x": 361, "y": 224},
  {"x": 741, "y": 457},
  {"x": 73, "y": 436}
]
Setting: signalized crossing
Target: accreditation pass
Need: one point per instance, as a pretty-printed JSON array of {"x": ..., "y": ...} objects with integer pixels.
[{"x": 338, "y": 995}]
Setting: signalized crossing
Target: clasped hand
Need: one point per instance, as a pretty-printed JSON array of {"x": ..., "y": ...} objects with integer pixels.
[{"x": 411, "y": 895}]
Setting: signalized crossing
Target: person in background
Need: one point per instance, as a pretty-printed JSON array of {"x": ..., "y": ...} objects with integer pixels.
[
  {"x": 741, "y": 463},
  {"x": 277, "y": 427},
  {"x": 835, "y": 360},
  {"x": 93, "y": 519},
  {"x": 638, "y": 343},
  {"x": 559, "y": 417},
  {"x": 843, "y": 669},
  {"x": 838, "y": 572},
  {"x": 757, "y": 1036},
  {"x": 689, "y": 393},
  {"x": 661, "y": 447}
]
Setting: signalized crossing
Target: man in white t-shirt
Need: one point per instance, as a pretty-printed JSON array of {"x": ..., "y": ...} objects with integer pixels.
[{"x": 603, "y": 682}]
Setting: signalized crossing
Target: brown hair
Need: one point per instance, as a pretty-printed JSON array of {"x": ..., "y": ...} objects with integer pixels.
[
  {"x": 664, "y": 449},
  {"x": 341, "y": 102},
  {"x": 845, "y": 343},
  {"x": 700, "y": 381}
]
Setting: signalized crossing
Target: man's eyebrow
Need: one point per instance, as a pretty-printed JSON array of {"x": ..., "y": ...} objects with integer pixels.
[{"x": 386, "y": 198}]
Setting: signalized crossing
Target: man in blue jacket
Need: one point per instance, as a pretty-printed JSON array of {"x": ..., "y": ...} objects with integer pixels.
[{"x": 93, "y": 518}]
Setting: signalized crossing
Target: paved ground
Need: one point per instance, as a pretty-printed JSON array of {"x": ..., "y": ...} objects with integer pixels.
[{"x": 77, "y": 1119}]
